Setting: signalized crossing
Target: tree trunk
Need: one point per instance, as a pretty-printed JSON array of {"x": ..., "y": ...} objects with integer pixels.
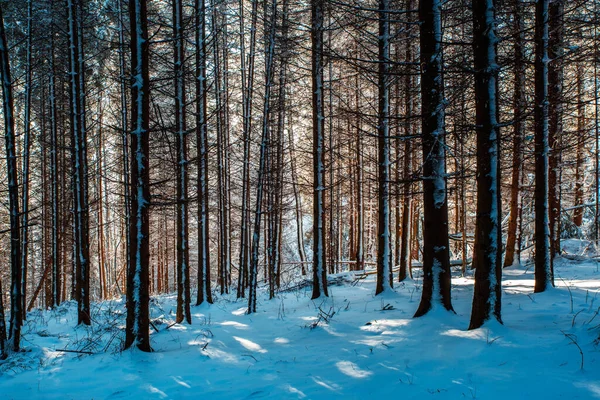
[
  {"x": 248, "y": 91},
  {"x": 555, "y": 124},
  {"x": 124, "y": 135},
  {"x": 409, "y": 84},
  {"x": 183, "y": 252},
  {"x": 298, "y": 202},
  {"x": 436, "y": 247},
  {"x": 78, "y": 134},
  {"x": 543, "y": 266},
  {"x": 138, "y": 316},
  {"x": 57, "y": 293},
  {"x": 262, "y": 167},
  {"x": 204, "y": 292},
  {"x": 16, "y": 301},
  {"x": 319, "y": 265},
  {"x": 3, "y": 353},
  {"x": 580, "y": 137},
  {"x": 518, "y": 133},
  {"x": 360, "y": 202},
  {"x": 488, "y": 230},
  {"x": 384, "y": 256},
  {"x": 26, "y": 157}
]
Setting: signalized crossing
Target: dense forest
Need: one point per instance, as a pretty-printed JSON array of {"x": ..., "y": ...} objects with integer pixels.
[{"x": 210, "y": 147}]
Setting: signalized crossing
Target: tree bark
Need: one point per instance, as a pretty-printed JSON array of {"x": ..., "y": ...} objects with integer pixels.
[
  {"x": 204, "y": 291},
  {"x": 436, "y": 247},
  {"x": 16, "y": 301},
  {"x": 580, "y": 137},
  {"x": 247, "y": 95},
  {"x": 262, "y": 167},
  {"x": 543, "y": 267},
  {"x": 138, "y": 315},
  {"x": 488, "y": 252},
  {"x": 183, "y": 251},
  {"x": 555, "y": 124},
  {"x": 319, "y": 265},
  {"x": 520, "y": 70},
  {"x": 384, "y": 256},
  {"x": 80, "y": 177}
]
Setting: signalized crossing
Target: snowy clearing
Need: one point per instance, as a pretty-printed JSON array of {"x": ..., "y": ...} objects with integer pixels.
[{"x": 345, "y": 347}]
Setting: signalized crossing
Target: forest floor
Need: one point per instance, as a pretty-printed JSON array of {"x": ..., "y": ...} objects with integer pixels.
[{"x": 352, "y": 346}]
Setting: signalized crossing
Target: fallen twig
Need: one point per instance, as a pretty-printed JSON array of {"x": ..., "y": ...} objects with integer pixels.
[{"x": 75, "y": 351}]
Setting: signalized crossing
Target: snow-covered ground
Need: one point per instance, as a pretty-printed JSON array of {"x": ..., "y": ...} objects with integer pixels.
[{"x": 352, "y": 346}]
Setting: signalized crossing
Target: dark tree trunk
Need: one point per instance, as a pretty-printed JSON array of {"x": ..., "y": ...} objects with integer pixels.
[
  {"x": 488, "y": 252},
  {"x": 555, "y": 124},
  {"x": 138, "y": 315},
  {"x": 409, "y": 84},
  {"x": 248, "y": 91},
  {"x": 580, "y": 137},
  {"x": 26, "y": 157},
  {"x": 16, "y": 301},
  {"x": 204, "y": 292},
  {"x": 543, "y": 265},
  {"x": 384, "y": 256},
  {"x": 360, "y": 203},
  {"x": 319, "y": 267},
  {"x": 183, "y": 251},
  {"x": 54, "y": 166},
  {"x": 79, "y": 153},
  {"x": 125, "y": 136},
  {"x": 262, "y": 166},
  {"x": 3, "y": 353},
  {"x": 520, "y": 70},
  {"x": 436, "y": 247}
]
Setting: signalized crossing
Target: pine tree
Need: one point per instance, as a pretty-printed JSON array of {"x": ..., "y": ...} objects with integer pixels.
[
  {"x": 488, "y": 230},
  {"x": 318, "y": 120},
  {"x": 138, "y": 314},
  {"x": 16, "y": 301},
  {"x": 436, "y": 246},
  {"x": 543, "y": 266}
]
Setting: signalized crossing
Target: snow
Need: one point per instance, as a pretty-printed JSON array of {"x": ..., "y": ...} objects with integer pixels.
[{"x": 346, "y": 346}]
